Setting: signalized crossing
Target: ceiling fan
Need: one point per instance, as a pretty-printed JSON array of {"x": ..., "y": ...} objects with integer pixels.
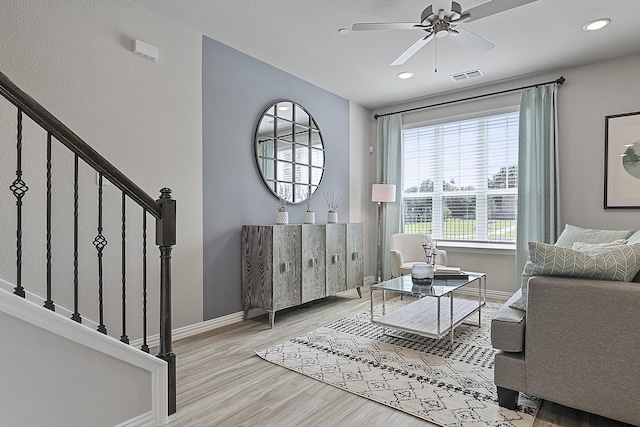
[{"x": 441, "y": 19}]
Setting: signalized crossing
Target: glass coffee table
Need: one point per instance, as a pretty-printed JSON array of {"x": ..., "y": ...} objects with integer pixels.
[{"x": 430, "y": 316}]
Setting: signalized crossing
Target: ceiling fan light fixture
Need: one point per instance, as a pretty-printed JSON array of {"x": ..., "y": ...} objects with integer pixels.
[
  {"x": 597, "y": 24},
  {"x": 405, "y": 75}
]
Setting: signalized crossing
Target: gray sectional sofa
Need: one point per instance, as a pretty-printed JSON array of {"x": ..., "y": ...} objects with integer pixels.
[{"x": 578, "y": 342}]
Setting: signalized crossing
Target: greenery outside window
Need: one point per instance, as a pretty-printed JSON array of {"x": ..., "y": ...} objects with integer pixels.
[{"x": 460, "y": 179}]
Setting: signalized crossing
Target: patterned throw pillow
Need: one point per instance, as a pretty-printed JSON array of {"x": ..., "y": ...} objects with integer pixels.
[
  {"x": 619, "y": 263},
  {"x": 572, "y": 234}
]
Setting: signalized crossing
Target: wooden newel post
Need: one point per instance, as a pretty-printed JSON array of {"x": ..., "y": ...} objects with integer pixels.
[{"x": 165, "y": 239}]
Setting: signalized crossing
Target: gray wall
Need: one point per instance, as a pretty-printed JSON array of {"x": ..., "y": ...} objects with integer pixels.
[{"x": 236, "y": 89}]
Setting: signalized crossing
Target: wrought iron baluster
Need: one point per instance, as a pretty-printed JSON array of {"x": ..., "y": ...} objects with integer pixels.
[
  {"x": 100, "y": 242},
  {"x": 145, "y": 346},
  {"x": 19, "y": 189},
  {"x": 124, "y": 337},
  {"x": 49, "y": 302},
  {"x": 76, "y": 315}
]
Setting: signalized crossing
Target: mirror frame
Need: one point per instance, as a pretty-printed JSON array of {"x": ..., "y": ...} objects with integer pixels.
[{"x": 298, "y": 189}]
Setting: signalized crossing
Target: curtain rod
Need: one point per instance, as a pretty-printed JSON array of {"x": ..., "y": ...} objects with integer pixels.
[{"x": 560, "y": 80}]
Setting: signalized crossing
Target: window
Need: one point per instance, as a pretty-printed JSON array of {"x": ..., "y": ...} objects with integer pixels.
[{"x": 460, "y": 179}]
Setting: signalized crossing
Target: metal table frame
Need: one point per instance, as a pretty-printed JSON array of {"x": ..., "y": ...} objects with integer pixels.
[{"x": 438, "y": 289}]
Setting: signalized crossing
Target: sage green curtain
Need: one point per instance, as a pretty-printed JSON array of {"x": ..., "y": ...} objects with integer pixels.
[
  {"x": 389, "y": 171},
  {"x": 538, "y": 171}
]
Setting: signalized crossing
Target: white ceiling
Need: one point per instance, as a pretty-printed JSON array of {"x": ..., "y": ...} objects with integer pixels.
[{"x": 301, "y": 37}]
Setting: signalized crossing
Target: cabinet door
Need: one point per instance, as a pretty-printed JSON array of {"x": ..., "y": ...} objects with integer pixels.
[
  {"x": 355, "y": 256},
  {"x": 313, "y": 262},
  {"x": 257, "y": 267},
  {"x": 286, "y": 266},
  {"x": 336, "y": 251}
]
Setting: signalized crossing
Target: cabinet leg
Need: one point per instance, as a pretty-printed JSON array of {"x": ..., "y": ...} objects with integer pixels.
[
  {"x": 246, "y": 312},
  {"x": 359, "y": 291},
  {"x": 272, "y": 318}
]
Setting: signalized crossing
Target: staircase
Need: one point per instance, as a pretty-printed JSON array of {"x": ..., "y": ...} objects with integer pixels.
[{"x": 74, "y": 341}]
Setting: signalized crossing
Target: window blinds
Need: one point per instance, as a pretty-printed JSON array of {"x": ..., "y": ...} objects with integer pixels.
[{"x": 460, "y": 178}]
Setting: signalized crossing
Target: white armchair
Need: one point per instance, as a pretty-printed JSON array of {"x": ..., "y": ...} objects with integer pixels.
[{"x": 406, "y": 250}]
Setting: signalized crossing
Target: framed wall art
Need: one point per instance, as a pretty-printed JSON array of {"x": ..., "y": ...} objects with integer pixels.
[{"x": 622, "y": 161}]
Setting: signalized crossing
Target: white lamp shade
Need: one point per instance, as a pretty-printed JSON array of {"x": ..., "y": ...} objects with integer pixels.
[{"x": 383, "y": 193}]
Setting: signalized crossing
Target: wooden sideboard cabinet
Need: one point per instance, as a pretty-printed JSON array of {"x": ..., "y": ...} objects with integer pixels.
[{"x": 288, "y": 265}]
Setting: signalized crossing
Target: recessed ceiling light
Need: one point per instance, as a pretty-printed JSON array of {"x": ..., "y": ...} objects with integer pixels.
[
  {"x": 283, "y": 108},
  {"x": 597, "y": 24},
  {"x": 405, "y": 75},
  {"x": 343, "y": 31}
]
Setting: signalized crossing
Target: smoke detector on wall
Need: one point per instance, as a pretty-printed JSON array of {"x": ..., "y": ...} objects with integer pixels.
[{"x": 466, "y": 75}]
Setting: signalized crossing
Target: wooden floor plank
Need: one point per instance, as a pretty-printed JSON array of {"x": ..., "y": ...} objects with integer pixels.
[{"x": 222, "y": 382}]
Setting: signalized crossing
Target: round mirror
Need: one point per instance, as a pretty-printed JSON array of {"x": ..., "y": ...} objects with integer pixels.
[{"x": 289, "y": 151}]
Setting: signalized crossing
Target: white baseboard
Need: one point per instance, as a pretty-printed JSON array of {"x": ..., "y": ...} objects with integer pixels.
[
  {"x": 369, "y": 280},
  {"x": 209, "y": 325},
  {"x": 499, "y": 295},
  {"x": 142, "y": 420},
  {"x": 196, "y": 328}
]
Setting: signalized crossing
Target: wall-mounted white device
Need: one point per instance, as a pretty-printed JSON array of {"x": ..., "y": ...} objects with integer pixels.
[{"x": 145, "y": 50}]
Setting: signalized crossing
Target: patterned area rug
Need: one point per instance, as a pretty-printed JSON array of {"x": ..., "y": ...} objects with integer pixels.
[{"x": 408, "y": 372}]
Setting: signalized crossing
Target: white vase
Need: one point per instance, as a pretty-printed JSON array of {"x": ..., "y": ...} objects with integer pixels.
[
  {"x": 309, "y": 217},
  {"x": 282, "y": 218},
  {"x": 332, "y": 217}
]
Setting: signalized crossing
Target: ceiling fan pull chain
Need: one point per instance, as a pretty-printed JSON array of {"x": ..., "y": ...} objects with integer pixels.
[{"x": 435, "y": 50}]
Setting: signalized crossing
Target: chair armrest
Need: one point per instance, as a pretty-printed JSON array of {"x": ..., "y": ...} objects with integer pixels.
[
  {"x": 396, "y": 262},
  {"x": 442, "y": 258},
  {"x": 582, "y": 344}
]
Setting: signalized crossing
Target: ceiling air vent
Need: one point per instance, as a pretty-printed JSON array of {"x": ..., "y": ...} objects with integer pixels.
[{"x": 466, "y": 75}]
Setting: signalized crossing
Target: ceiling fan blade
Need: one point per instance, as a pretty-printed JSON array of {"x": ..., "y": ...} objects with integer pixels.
[
  {"x": 493, "y": 7},
  {"x": 471, "y": 41},
  {"x": 365, "y": 26},
  {"x": 413, "y": 49}
]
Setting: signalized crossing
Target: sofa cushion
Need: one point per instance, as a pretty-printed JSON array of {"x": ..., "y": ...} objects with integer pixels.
[
  {"x": 634, "y": 239},
  {"x": 572, "y": 234},
  {"x": 508, "y": 326},
  {"x": 620, "y": 263}
]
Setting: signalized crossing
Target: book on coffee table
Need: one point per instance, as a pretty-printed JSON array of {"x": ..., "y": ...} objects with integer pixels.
[
  {"x": 441, "y": 269},
  {"x": 449, "y": 273}
]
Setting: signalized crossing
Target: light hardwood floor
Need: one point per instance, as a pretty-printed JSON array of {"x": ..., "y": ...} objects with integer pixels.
[{"x": 221, "y": 382}]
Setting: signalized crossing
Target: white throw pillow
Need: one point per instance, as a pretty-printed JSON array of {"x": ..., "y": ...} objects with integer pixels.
[
  {"x": 572, "y": 234},
  {"x": 581, "y": 246}
]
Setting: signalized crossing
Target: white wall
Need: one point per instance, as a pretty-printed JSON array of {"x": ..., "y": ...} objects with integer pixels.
[
  {"x": 74, "y": 57},
  {"x": 590, "y": 93},
  {"x": 56, "y": 372},
  {"x": 360, "y": 139}
]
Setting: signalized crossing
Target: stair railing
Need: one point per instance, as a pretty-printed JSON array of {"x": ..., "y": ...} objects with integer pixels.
[{"x": 163, "y": 209}]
